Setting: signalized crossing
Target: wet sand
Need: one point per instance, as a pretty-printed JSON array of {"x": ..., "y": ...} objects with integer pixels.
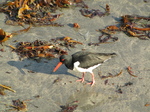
[{"x": 101, "y": 97}]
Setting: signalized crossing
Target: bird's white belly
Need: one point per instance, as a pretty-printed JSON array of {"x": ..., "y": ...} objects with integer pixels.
[{"x": 79, "y": 69}]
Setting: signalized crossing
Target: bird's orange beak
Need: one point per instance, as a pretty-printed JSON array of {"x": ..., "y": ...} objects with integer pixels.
[{"x": 58, "y": 65}]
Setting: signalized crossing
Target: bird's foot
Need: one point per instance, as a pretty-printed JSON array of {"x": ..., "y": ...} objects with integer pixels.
[
  {"x": 91, "y": 83},
  {"x": 80, "y": 80}
]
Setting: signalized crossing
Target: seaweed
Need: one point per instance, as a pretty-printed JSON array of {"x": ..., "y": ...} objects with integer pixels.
[
  {"x": 44, "y": 49},
  {"x": 69, "y": 107},
  {"x": 95, "y": 12},
  {"x": 18, "y": 105},
  {"x": 111, "y": 76},
  {"x": 129, "y": 69},
  {"x": 133, "y": 26},
  {"x": 4, "y": 87},
  {"x": 35, "y": 12}
]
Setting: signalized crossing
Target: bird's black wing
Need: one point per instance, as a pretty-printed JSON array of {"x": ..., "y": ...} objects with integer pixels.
[{"x": 88, "y": 59}]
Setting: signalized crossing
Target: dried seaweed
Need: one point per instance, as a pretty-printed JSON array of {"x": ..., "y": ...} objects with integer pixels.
[
  {"x": 50, "y": 49},
  {"x": 57, "y": 80},
  {"x": 129, "y": 69},
  {"x": 66, "y": 42},
  {"x": 127, "y": 84},
  {"x": 76, "y": 25},
  {"x": 38, "y": 49},
  {"x": 2, "y": 50},
  {"x": 104, "y": 38},
  {"x": 111, "y": 76},
  {"x": 3, "y": 87},
  {"x": 147, "y": 105},
  {"x": 35, "y": 12},
  {"x": 95, "y": 12},
  {"x": 80, "y": 3},
  {"x": 30, "y": 12},
  {"x": 18, "y": 106},
  {"x": 4, "y": 36},
  {"x": 134, "y": 26},
  {"x": 119, "y": 88},
  {"x": 69, "y": 107}
]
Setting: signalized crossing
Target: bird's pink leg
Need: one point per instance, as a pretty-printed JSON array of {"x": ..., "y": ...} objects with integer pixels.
[
  {"x": 93, "y": 80},
  {"x": 82, "y": 79}
]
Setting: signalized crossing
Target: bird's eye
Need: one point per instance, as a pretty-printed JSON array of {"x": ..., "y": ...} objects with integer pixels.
[{"x": 62, "y": 59}]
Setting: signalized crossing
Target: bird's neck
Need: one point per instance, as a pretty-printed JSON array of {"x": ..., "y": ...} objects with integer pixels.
[{"x": 69, "y": 63}]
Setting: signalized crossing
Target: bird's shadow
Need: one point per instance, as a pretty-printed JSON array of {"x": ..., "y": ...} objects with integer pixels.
[{"x": 43, "y": 66}]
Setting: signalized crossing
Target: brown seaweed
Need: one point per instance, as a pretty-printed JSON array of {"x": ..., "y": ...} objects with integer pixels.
[
  {"x": 57, "y": 80},
  {"x": 111, "y": 76},
  {"x": 95, "y": 12},
  {"x": 129, "y": 69},
  {"x": 130, "y": 25},
  {"x": 76, "y": 25},
  {"x": 44, "y": 49},
  {"x": 18, "y": 105},
  {"x": 35, "y": 12},
  {"x": 4, "y": 87},
  {"x": 4, "y": 36},
  {"x": 119, "y": 88},
  {"x": 69, "y": 107},
  {"x": 147, "y": 105},
  {"x": 104, "y": 38}
]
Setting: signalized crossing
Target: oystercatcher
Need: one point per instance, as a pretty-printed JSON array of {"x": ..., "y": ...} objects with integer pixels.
[{"x": 83, "y": 61}]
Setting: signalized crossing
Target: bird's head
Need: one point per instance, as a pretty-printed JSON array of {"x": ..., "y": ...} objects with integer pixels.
[{"x": 64, "y": 59}]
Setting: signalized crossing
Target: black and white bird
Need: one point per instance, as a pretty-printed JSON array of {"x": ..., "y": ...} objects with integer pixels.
[{"x": 83, "y": 61}]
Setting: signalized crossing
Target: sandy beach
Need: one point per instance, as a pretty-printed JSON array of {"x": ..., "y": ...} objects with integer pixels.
[{"x": 44, "y": 95}]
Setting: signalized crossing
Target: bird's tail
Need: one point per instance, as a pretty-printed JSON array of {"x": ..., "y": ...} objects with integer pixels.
[
  {"x": 113, "y": 55},
  {"x": 107, "y": 56}
]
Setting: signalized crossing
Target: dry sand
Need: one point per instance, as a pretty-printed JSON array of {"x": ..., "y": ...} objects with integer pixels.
[{"x": 99, "y": 98}]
